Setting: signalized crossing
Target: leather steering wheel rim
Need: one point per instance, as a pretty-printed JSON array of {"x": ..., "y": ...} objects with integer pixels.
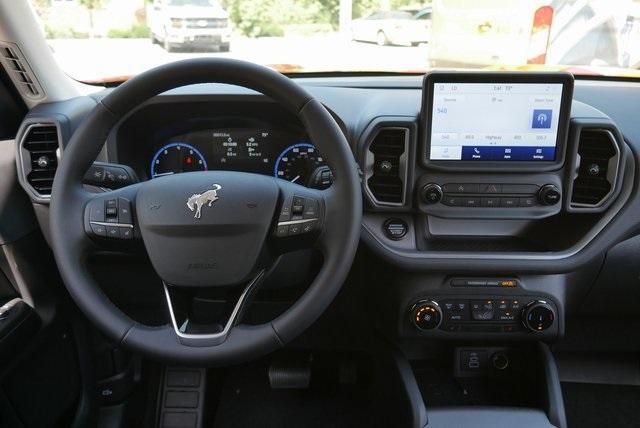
[{"x": 69, "y": 198}]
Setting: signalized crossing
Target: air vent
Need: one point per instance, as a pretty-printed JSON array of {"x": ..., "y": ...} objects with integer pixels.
[
  {"x": 386, "y": 166},
  {"x": 19, "y": 71},
  {"x": 40, "y": 146},
  {"x": 597, "y": 168}
]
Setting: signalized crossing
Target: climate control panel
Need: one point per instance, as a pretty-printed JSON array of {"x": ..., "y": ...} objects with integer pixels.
[{"x": 454, "y": 315}]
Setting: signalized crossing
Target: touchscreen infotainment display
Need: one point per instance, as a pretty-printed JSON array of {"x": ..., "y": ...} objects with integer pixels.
[{"x": 498, "y": 122}]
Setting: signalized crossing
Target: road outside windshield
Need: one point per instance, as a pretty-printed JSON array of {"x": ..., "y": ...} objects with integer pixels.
[{"x": 102, "y": 41}]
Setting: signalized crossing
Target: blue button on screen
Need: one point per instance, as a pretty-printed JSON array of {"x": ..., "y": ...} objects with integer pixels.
[
  {"x": 541, "y": 119},
  {"x": 501, "y": 153}
]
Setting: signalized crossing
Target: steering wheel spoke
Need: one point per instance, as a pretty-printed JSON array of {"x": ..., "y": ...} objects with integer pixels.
[
  {"x": 190, "y": 334},
  {"x": 109, "y": 218}
]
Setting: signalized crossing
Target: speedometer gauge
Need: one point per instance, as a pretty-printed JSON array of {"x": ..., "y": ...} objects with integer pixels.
[
  {"x": 175, "y": 158},
  {"x": 302, "y": 164}
]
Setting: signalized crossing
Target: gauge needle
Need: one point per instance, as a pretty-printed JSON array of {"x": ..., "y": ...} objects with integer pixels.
[
  {"x": 164, "y": 173},
  {"x": 294, "y": 180}
]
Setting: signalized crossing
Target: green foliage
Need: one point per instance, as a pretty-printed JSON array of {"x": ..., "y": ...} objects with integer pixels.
[
  {"x": 256, "y": 18},
  {"x": 63, "y": 33},
  {"x": 136, "y": 31},
  {"x": 92, "y": 4}
]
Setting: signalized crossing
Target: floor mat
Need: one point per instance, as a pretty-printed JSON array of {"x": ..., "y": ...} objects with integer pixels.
[
  {"x": 247, "y": 400},
  {"x": 596, "y": 405}
]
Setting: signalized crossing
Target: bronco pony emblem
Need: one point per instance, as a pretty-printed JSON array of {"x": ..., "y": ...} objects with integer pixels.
[{"x": 198, "y": 200}]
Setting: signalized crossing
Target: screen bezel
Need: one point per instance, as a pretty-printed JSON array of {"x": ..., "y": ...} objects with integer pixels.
[{"x": 430, "y": 79}]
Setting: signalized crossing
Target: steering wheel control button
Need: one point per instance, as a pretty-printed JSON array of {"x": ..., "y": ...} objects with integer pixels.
[
  {"x": 282, "y": 231},
  {"x": 96, "y": 211},
  {"x": 124, "y": 211},
  {"x": 431, "y": 193},
  {"x": 99, "y": 229},
  {"x": 538, "y": 316},
  {"x": 310, "y": 209},
  {"x": 111, "y": 211},
  {"x": 427, "y": 315},
  {"x": 113, "y": 232},
  {"x": 395, "y": 228},
  {"x": 549, "y": 195},
  {"x": 126, "y": 232}
]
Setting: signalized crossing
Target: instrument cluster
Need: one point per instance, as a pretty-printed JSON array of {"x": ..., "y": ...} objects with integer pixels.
[{"x": 283, "y": 154}]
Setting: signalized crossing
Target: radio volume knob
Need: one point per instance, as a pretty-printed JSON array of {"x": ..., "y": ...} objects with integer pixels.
[
  {"x": 426, "y": 315},
  {"x": 538, "y": 316},
  {"x": 549, "y": 194},
  {"x": 431, "y": 193}
]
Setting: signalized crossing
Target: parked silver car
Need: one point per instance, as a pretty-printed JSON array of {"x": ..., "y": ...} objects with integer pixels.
[{"x": 399, "y": 27}]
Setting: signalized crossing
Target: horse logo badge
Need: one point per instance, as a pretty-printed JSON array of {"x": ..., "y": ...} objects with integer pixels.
[{"x": 198, "y": 200}]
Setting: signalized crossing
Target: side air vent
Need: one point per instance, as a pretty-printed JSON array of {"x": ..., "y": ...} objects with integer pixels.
[
  {"x": 40, "y": 149},
  {"x": 597, "y": 164},
  {"x": 387, "y": 166},
  {"x": 19, "y": 71}
]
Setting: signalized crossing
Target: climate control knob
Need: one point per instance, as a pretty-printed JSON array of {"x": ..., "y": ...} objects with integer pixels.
[
  {"x": 538, "y": 316},
  {"x": 426, "y": 315},
  {"x": 431, "y": 193},
  {"x": 549, "y": 194}
]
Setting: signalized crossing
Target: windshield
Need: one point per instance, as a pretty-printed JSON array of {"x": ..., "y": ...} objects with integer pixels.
[{"x": 102, "y": 41}]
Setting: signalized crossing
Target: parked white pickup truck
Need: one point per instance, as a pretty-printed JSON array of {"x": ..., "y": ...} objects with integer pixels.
[{"x": 195, "y": 24}]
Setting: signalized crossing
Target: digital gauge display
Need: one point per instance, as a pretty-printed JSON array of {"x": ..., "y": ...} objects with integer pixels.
[{"x": 283, "y": 154}]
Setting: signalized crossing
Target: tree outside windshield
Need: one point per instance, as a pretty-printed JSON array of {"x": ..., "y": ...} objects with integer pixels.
[{"x": 110, "y": 40}]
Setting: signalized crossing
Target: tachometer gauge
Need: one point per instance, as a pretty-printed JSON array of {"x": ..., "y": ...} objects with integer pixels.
[
  {"x": 302, "y": 164},
  {"x": 175, "y": 158}
]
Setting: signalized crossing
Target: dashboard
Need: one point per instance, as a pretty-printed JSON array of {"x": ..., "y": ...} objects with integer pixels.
[{"x": 470, "y": 181}]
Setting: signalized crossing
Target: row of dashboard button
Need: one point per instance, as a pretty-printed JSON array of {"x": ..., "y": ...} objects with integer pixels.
[
  {"x": 488, "y": 202},
  {"x": 525, "y": 189},
  {"x": 503, "y": 310}
]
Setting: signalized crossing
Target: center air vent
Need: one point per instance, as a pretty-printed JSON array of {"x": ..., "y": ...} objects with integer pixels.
[
  {"x": 40, "y": 148},
  {"x": 387, "y": 166},
  {"x": 597, "y": 168}
]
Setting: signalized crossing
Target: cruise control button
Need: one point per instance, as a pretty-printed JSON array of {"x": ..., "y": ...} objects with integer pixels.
[
  {"x": 124, "y": 211},
  {"x": 126, "y": 232},
  {"x": 310, "y": 209},
  {"x": 96, "y": 211},
  {"x": 295, "y": 229},
  {"x": 98, "y": 229},
  {"x": 113, "y": 232},
  {"x": 282, "y": 230},
  {"x": 309, "y": 226}
]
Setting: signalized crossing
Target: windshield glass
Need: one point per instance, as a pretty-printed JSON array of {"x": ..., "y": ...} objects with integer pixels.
[{"x": 101, "y": 41}]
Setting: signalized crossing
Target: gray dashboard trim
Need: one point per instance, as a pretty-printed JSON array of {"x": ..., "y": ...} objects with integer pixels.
[{"x": 562, "y": 261}]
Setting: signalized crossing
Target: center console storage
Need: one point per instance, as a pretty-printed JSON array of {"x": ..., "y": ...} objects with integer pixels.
[{"x": 487, "y": 386}]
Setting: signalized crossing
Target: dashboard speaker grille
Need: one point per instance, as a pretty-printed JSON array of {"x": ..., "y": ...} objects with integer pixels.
[
  {"x": 597, "y": 167},
  {"x": 386, "y": 182},
  {"x": 41, "y": 143}
]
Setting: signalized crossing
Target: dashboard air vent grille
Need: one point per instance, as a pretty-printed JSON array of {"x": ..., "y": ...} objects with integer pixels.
[
  {"x": 41, "y": 143},
  {"x": 389, "y": 148},
  {"x": 597, "y": 164},
  {"x": 19, "y": 71}
]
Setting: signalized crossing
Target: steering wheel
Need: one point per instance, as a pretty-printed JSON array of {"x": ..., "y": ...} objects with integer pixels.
[{"x": 206, "y": 229}]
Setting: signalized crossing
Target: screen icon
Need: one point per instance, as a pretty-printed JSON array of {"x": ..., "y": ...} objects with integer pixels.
[{"x": 541, "y": 119}]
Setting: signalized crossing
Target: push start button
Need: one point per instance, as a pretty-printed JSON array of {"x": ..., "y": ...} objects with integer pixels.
[{"x": 395, "y": 228}]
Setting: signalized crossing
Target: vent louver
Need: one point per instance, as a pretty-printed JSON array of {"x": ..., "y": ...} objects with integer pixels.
[
  {"x": 19, "y": 71},
  {"x": 41, "y": 143},
  {"x": 597, "y": 168},
  {"x": 387, "y": 180}
]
